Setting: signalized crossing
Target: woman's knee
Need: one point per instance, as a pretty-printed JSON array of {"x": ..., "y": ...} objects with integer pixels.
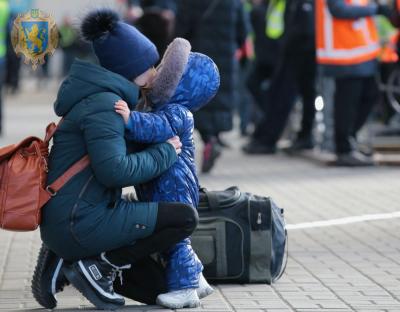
[
  {"x": 187, "y": 217},
  {"x": 191, "y": 218},
  {"x": 179, "y": 215}
]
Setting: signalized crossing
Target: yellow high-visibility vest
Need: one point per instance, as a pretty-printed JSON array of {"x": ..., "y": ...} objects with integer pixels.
[
  {"x": 4, "y": 15},
  {"x": 275, "y": 19}
]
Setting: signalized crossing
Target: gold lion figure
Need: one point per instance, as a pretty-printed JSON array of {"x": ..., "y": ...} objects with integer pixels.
[{"x": 33, "y": 37}]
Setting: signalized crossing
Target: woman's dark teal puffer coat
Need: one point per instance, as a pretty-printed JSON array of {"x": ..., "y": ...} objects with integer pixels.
[{"x": 87, "y": 216}]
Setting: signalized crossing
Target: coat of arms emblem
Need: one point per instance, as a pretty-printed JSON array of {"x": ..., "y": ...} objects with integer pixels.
[{"x": 34, "y": 34}]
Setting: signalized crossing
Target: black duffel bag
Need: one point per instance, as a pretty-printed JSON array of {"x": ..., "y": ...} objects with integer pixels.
[{"x": 241, "y": 237}]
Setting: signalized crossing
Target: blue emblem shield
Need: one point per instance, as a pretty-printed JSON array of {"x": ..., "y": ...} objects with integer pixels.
[{"x": 36, "y": 35}]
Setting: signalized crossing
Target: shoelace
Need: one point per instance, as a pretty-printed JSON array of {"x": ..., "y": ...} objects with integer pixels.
[
  {"x": 119, "y": 271},
  {"x": 113, "y": 274},
  {"x": 115, "y": 270}
]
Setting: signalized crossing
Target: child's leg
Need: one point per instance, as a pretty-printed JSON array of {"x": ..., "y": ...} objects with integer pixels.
[
  {"x": 193, "y": 272},
  {"x": 189, "y": 275},
  {"x": 183, "y": 267},
  {"x": 183, "y": 276}
]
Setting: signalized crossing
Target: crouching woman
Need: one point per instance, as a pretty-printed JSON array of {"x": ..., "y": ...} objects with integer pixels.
[{"x": 90, "y": 231}]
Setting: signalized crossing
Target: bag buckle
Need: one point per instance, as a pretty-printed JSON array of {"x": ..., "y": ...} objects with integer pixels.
[{"x": 51, "y": 191}]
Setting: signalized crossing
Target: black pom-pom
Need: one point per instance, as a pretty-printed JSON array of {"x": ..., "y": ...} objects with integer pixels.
[{"x": 98, "y": 23}]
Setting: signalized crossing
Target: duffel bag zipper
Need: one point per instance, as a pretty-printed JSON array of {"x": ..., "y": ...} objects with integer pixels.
[
  {"x": 210, "y": 219},
  {"x": 259, "y": 220},
  {"x": 259, "y": 217}
]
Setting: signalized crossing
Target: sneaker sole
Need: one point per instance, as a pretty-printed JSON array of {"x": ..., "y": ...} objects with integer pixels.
[
  {"x": 44, "y": 299},
  {"x": 205, "y": 292},
  {"x": 190, "y": 304},
  {"x": 79, "y": 283},
  {"x": 352, "y": 165}
]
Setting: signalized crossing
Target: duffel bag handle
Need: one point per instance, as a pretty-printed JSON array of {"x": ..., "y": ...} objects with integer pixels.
[{"x": 212, "y": 198}]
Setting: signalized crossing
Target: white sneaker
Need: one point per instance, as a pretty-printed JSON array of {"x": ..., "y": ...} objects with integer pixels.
[
  {"x": 178, "y": 299},
  {"x": 204, "y": 288}
]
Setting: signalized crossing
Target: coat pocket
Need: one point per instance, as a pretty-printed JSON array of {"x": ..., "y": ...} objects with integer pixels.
[{"x": 82, "y": 225}]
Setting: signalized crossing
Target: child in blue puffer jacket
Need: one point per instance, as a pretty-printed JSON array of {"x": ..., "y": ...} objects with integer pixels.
[{"x": 185, "y": 82}]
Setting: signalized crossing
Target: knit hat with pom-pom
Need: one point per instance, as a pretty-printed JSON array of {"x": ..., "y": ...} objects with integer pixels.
[{"x": 120, "y": 47}]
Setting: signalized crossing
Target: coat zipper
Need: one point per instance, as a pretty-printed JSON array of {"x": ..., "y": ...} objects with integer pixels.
[{"x": 76, "y": 206}]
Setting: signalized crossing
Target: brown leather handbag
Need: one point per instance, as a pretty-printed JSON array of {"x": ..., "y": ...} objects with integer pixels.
[{"x": 23, "y": 175}]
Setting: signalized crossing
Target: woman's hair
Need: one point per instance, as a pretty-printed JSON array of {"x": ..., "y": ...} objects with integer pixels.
[{"x": 144, "y": 104}]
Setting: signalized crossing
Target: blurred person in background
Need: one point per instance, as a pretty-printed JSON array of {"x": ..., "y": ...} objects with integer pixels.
[
  {"x": 395, "y": 17},
  {"x": 13, "y": 62},
  {"x": 68, "y": 43},
  {"x": 157, "y": 22},
  {"x": 216, "y": 28},
  {"x": 73, "y": 46},
  {"x": 4, "y": 17},
  {"x": 266, "y": 49},
  {"x": 347, "y": 49},
  {"x": 388, "y": 59},
  {"x": 169, "y": 5},
  {"x": 245, "y": 102},
  {"x": 291, "y": 22},
  {"x": 245, "y": 105},
  {"x": 163, "y": 4}
]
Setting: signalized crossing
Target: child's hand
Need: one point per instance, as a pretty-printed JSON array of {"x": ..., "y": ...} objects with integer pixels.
[
  {"x": 176, "y": 143},
  {"x": 121, "y": 107}
]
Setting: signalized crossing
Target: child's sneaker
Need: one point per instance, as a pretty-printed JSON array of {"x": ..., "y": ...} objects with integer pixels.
[
  {"x": 204, "y": 288},
  {"x": 178, "y": 299}
]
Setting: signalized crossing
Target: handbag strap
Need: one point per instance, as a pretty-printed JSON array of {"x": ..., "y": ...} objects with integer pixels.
[
  {"x": 51, "y": 129},
  {"x": 80, "y": 165}
]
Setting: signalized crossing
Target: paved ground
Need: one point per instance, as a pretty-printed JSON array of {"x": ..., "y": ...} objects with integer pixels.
[{"x": 348, "y": 267}]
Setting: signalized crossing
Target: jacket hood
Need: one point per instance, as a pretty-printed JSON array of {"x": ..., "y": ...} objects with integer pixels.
[
  {"x": 170, "y": 71},
  {"x": 198, "y": 85},
  {"x": 86, "y": 79}
]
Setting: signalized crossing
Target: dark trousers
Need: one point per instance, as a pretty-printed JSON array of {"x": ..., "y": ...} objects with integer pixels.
[
  {"x": 245, "y": 103},
  {"x": 258, "y": 78},
  {"x": 146, "y": 279},
  {"x": 354, "y": 100},
  {"x": 175, "y": 222},
  {"x": 295, "y": 76},
  {"x": 143, "y": 282}
]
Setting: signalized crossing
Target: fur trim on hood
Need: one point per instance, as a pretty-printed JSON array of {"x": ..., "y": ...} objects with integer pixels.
[{"x": 170, "y": 71}]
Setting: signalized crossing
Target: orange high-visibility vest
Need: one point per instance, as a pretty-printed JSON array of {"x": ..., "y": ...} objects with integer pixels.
[
  {"x": 344, "y": 41},
  {"x": 398, "y": 5},
  {"x": 389, "y": 50}
]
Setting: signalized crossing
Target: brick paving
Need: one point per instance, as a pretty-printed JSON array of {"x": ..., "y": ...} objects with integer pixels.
[{"x": 352, "y": 267}]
